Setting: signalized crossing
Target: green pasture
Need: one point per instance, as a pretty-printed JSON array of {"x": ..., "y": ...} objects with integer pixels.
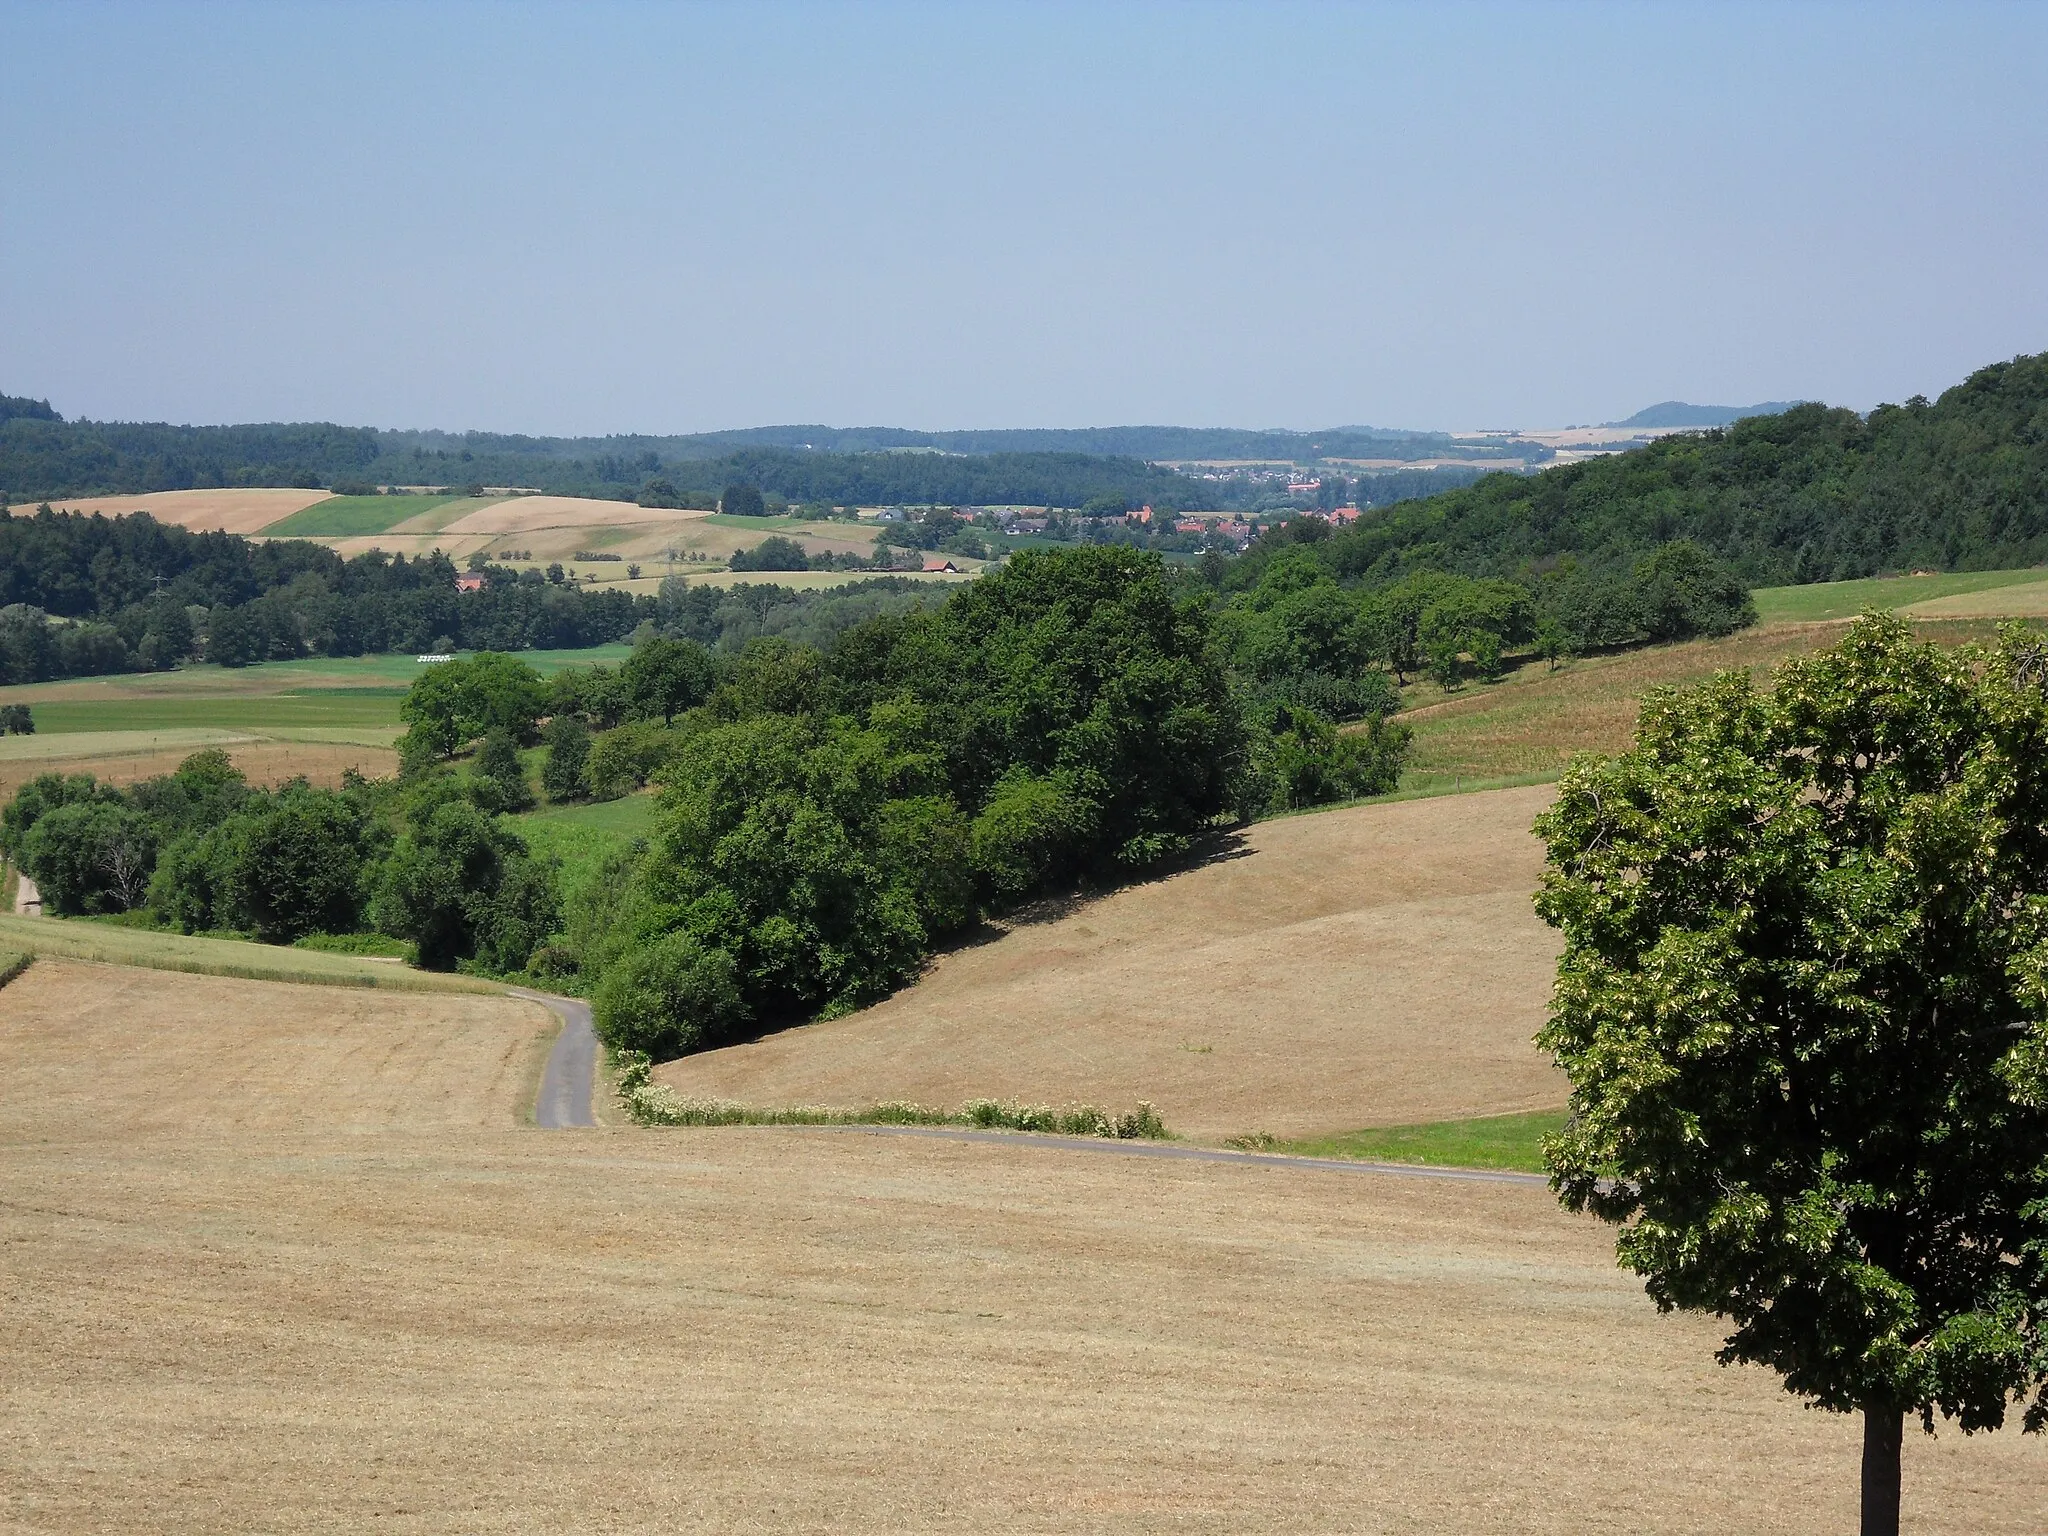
[
  {"x": 582, "y": 835},
  {"x": 1824, "y": 600},
  {"x": 1495, "y": 1141},
  {"x": 338, "y": 716},
  {"x": 341, "y": 517},
  {"x": 766, "y": 524}
]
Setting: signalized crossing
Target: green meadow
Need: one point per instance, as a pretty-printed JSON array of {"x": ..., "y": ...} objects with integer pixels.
[{"x": 1845, "y": 599}]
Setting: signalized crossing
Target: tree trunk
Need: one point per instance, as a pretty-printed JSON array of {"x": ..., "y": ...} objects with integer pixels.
[{"x": 1884, "y": 1432}]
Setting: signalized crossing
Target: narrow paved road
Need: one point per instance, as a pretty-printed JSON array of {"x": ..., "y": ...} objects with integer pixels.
[
  {"x": 28, "y": 901},
  {"x": 567, "y": 1081}
]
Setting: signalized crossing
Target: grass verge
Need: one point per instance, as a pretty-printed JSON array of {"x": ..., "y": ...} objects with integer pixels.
[
  {"x": 1512, "y": 1142},
  {"x": 12, "y": 963},
  {"x": 218, "y": 957},
  {"x": 652, "y": 1103}
]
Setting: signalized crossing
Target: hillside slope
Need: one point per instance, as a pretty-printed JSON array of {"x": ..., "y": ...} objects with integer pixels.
[{"x": 1379, "y": 965}]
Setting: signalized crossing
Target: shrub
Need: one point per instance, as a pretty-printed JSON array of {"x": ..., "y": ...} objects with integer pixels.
[
  {"x": 568, "y": 744},
  {"x": 668, "y": 997},
  {"x": 498, "y": 765},
  {"x": 774, "y": 553}
]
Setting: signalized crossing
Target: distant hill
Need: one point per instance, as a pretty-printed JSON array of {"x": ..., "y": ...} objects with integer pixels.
[
  {"x": 1178, "y": 444},
  {"x": 1676, "y": 413}
]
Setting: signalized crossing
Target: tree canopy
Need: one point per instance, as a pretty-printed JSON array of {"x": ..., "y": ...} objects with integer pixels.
[{"x": 1803, "y": 1004}]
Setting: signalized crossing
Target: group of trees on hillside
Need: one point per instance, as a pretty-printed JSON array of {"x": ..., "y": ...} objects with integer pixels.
[
  {"x": 85, "y": 595},
  {"x": 832, "y": 811},
  {"x": 200, "y": 850},
  {"x": 1290, "y": 607}
]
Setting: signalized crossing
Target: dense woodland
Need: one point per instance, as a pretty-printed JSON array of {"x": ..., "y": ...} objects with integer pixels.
[{"x": 1813, "y": 494}]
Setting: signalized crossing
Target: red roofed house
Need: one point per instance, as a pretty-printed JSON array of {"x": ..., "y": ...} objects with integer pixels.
[
  {"x": 935, "y": 567},
  {"x": 472, "y": 581}
]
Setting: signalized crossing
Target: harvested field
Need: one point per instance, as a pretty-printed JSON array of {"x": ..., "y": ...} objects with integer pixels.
[
  {"x": 529, "y": 514},
  {"x": 150, "y": 1052},
  {"x": 127, "y": 759},
  {"x": 2019, "y": 600},
  {"x": 1373, "y": 966},
  {"x": 236, "y": 511},
  {"x": 342, "y": 516},
  {"x": 273, "y": 1267}
]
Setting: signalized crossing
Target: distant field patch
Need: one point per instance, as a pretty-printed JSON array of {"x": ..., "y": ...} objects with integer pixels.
[
  {"x": 247, "y": 510},
  {"x": 1530, "y": 725},
  {"x": 340, "y": 517},
  {"x": 376, "y": 714},
  {"x": 305, "y": 756},
  {"x": 51, "y": 743},
  {"x": 1845, "y": 599}
]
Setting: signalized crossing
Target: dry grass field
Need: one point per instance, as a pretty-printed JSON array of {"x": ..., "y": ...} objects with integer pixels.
[
  {"x": 1373, "y": 966},
  {"x": 228, "y": 511},
  {"x": 131, "y": 758},
  {"x": 1529, "y": 725},
  {"x": 279, "y": 1259},
  {"x": 2028, "y": 600}
]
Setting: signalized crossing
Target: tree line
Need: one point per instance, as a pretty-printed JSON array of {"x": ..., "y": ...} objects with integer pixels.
[
  {"x": 87, "y": 595},
  {"x": 45, "y": 456}
]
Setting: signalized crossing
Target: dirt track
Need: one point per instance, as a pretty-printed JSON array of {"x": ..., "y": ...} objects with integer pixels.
[{"x": 1374, "y": 966}]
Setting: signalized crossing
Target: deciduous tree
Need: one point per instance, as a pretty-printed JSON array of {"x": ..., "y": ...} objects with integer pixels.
[{"x": 1803, "y": 1004}]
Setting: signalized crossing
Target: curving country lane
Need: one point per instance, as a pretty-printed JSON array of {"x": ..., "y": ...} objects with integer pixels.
[{"x": 568, "y": 1080}]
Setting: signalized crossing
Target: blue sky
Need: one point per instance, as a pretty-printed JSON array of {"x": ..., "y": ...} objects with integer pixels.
[{"x": 599, "y": 218}]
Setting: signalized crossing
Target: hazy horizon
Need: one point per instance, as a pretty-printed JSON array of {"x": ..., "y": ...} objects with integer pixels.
[{"x": 652, "y": 220}]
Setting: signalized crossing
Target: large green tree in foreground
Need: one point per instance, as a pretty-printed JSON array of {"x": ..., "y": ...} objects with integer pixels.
[{"x": 1803, "y": 1003}]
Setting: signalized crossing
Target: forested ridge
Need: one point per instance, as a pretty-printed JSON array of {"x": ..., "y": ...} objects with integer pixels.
[
  {"x": 43, "y": 456},
  {"x": 1814, "y": 494}
]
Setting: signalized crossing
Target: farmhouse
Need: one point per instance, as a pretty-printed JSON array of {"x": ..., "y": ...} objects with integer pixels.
[
  {"x": 939, "y": 567},
  {"x": 471, "y": 581}
]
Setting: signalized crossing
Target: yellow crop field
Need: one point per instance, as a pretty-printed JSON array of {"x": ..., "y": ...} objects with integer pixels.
[{"x": 224, "y": 511}]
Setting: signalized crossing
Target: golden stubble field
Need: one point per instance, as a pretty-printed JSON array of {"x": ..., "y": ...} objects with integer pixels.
[
  {"x": 244, "y": 511},
  {"x": 281, "y": 1259},
  {"x": 1373, "y": 966},
  {"x": 263, "y": 762}
]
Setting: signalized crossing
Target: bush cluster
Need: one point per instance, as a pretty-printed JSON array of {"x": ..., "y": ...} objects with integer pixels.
[{"x": 200, "y": 850}]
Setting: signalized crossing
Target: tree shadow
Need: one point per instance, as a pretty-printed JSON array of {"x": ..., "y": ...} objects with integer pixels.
[{"x": 1212, "y": 848}]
